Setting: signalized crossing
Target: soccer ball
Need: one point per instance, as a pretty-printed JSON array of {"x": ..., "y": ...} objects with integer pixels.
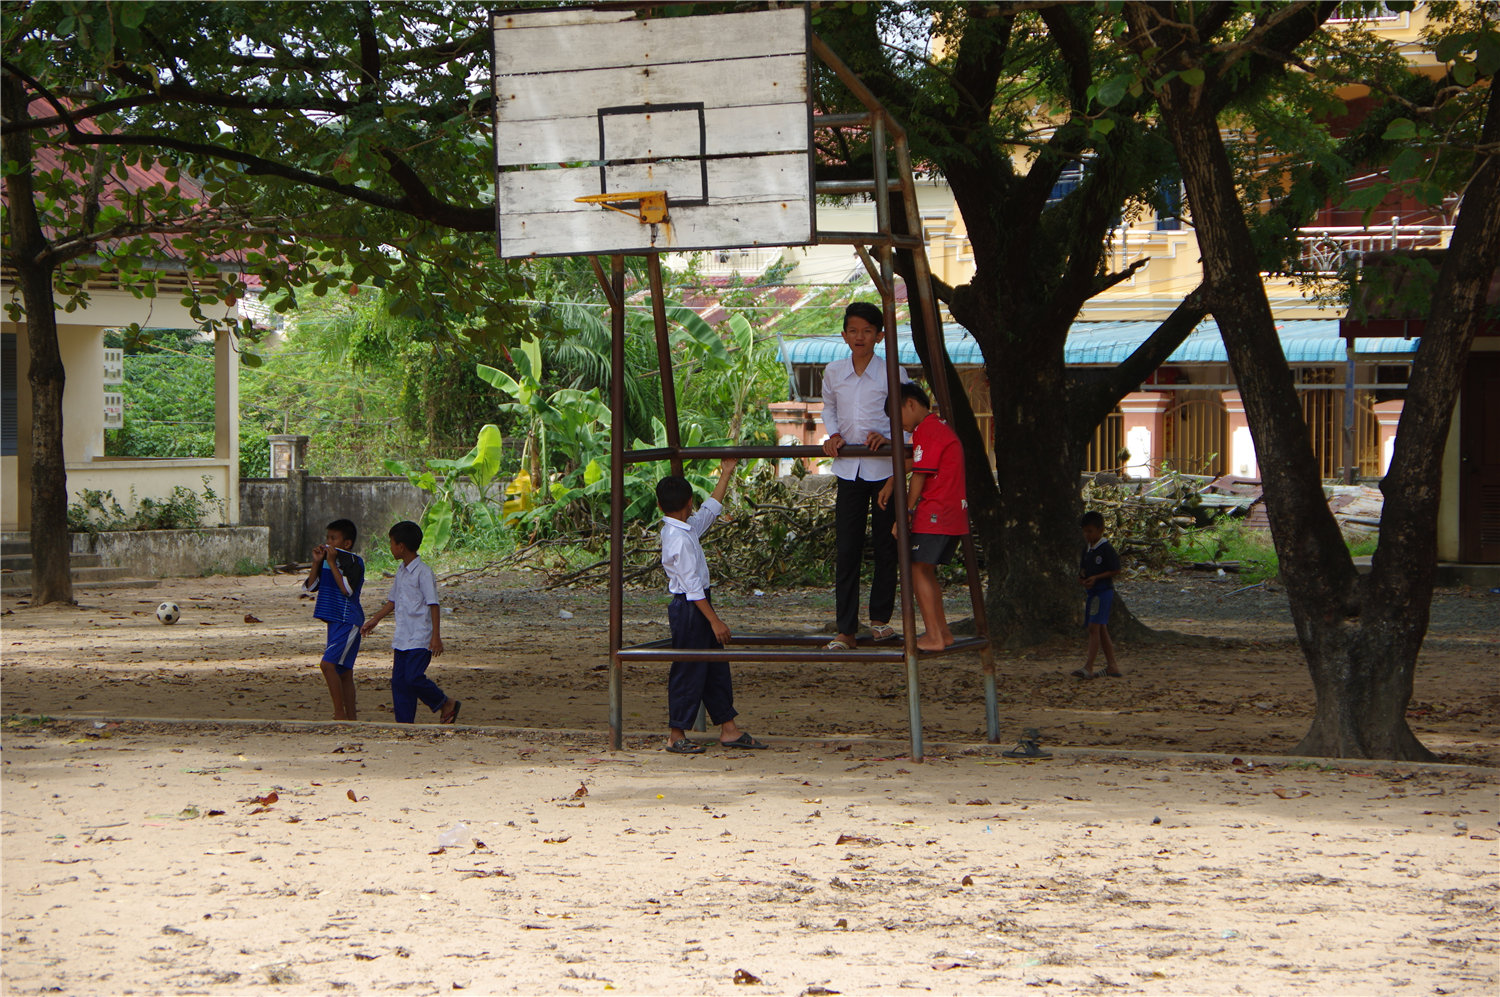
[{"x": 168, "y": 612}]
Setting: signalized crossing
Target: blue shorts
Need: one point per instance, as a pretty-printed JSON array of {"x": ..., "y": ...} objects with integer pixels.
[
  {"x": 343, "y": 645},
  {"x": 1096, "y": 605}
]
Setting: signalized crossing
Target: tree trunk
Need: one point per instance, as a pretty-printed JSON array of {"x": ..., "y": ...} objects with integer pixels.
[
  {"x": 1362, "y": 669},
  {"x": 51, "y": 576}
]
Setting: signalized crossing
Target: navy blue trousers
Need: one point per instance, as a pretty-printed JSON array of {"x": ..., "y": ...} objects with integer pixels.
[
  {"x": 409, "y": 683},
  {"x": 692, "y": 682}
]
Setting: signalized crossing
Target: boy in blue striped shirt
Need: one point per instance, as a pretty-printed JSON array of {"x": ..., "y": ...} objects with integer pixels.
[{"x": 337, "y": 576}]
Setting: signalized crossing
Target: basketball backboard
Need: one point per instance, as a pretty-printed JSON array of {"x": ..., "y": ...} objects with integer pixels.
[{"x": 713, "y": 110}]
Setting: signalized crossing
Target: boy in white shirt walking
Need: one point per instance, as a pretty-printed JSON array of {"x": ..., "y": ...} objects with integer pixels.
[
  {"x": 695, "y": 624},
  {"x": 419, "y": 630}
]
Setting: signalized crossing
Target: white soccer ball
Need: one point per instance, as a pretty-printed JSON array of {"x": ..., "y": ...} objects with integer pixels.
[{"x": 168, "y": 612}]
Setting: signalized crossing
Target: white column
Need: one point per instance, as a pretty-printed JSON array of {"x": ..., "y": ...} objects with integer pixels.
[{"x": 227, "y": 418}]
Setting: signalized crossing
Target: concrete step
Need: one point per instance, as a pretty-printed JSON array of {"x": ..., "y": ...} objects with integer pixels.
[
  {"x": 22, "y": 562},
  {"x": 127, "y": 583},
  {"x": 12, "y": 581}
]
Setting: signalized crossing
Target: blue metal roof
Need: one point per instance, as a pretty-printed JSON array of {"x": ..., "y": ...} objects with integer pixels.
[{"x": 1302, "y": 340}]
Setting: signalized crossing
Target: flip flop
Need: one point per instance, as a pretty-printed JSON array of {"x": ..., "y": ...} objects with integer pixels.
[
  {"x": 1079, "y": 673},
  {"x": 1026, "y": 749},
  {"x": 838, "y": 644},
  {"x": 883, "y": 631},
  {"x": 743, "y": 741},
  {"x": 452, "y": 717},
  {"x": 682, "y": 746}
]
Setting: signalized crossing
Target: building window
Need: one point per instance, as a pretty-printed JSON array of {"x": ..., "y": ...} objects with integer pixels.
[{"x": 1168, "y": 218}]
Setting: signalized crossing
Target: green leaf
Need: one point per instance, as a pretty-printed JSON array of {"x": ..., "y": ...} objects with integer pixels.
[
  {"x": 1113, "y": 90},
  {"x": 592, "y": 473},
  {"x": 1193, "y": 77},
  {"x": 1400, "y": 130},
  {"x": 1101, "y": 127},
  {"x": 698, "y": 332},
  {"x": 485, "y": 456},
  {"x": 1407, "y": 165},
  {"x": 1464, "y": 72},
  {"x": 742, "y": 333},
  {"x": 437, "y": 525}
]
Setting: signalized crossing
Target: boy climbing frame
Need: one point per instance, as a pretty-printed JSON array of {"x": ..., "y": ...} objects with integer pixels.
[{"x": 620, "y": 135}]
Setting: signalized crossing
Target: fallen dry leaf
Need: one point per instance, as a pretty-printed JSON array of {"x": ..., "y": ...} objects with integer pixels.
[
  {"x": 268, "y": 799},
  {"x": 356, "y": 799},
  {"x": 967, "y": 881},
  {"x": 745, "y": 977},
  {"x": 440, "y": 850},
  {"x": 580, "y": 792},
  {"x": 940, "y": 966},
  {"x": 857, "y": 839},
  {"x": 981, "y": 802},
  {"x": 251, "y": 618},
  {"x": 556, "y": 841},
  {"x": 1290, "y": 794}
]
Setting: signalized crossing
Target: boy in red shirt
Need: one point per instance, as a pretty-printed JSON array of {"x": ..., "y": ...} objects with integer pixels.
[{"x": 938, "y": 510}]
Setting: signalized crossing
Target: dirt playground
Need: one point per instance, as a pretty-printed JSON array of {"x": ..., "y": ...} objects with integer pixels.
[{"x": 166, "y": 831}]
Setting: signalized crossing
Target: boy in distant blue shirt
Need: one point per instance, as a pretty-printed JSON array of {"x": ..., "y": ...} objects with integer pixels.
[
  {"x": 1096, "y": 572},
  {"x": 337, "y": 576}
]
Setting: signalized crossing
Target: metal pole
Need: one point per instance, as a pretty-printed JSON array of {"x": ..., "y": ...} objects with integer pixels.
[
  {"x": 616, "y": 500},
  {"x": 664, "y": 361},
  {"x": 922, "y": 276},
  {"x": 898, "y": 453},
  {"x": 1351, "y": 461}
]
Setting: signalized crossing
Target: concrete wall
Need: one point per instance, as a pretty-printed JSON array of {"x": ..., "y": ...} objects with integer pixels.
[
  {"x": 154, "y": 478},
  {"x": 179, "y": 553},
  {"x": 298, "y": 509}
]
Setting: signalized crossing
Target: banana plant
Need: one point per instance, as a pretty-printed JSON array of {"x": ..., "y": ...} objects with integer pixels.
[{"x": 451, "y": 504}]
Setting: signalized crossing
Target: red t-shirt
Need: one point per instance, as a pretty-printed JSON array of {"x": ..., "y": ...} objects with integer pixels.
[{"x": 943, "y": 506}]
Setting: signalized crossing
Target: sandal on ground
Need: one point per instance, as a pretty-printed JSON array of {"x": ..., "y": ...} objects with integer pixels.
[
  {"x": 682, "y": 746},
  {"x": 743, "y": 741},
  {"x": 451, "y": 716},
  {"x": 1026, "y": 749},
  {"x": 838, "y": 644},
  {"x": 882, "y": 631},
  {"x": 1114, "y": 675},
  {"x": 1084, "y": 673}
]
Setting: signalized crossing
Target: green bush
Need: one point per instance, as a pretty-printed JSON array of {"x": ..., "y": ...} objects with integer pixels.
[{"x": 183, "y": 509}]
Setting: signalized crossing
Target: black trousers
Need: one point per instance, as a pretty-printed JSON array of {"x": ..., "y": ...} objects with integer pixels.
[
  {"x": 854, "y": 506},
  {"x": 692, "y": 682}
]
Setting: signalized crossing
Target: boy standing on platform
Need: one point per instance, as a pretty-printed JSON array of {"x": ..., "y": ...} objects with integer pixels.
[
  {"x": 418, "y": 635},
  {"x": 937, "y": 508},
  {"x": 1096, "y": 572},
  {"x": 337, "y": 576},
  {"x": 695, "y": 624},
  {"x": 854, "y": 412}
]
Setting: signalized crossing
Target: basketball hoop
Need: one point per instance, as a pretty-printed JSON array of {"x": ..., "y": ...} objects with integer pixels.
[{"x": 651, "y": 209}]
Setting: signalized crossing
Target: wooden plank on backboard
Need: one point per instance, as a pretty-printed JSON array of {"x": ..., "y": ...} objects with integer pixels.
[
  {"x": 558, "y": 15},
  {"x": 723, "y": 83},
  {"x": 522, "y": 46},
  {"x": 752, "y": 178},
  {"x": 727, "y": 131},
  {"x": 781, "y": 223}
]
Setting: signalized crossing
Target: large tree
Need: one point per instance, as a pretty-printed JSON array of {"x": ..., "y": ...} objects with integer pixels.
[
  {"x": 1360, "y": 636},
  {"x": 331, "y": 143},
  {"x": 1009, "y": 97}
]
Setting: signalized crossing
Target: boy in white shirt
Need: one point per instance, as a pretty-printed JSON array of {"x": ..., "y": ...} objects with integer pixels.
[
  {"x": 855, "y": 413},
  {"x": 419, "y": 633},
  {"x": 695, "y": 625}
]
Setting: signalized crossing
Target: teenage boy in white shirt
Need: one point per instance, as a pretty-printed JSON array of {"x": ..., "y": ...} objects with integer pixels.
[{"x": 418, "y": 634}]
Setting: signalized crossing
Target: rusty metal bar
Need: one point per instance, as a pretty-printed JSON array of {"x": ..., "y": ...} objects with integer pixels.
[
  {"x": 664, "y": 361},
  {"x": 853, "y": 186},
  {"x": 841, "y": 120},
  {"x": 869, "y": 239},
  {"x": 741, "y": 654},
  {"x": 604, "y": 284},
  {"x": 747, "y": 450},
  {"x": 922, "y": 277},
  {"x": 616, "y": 500},
  {"x": 872, "y": 269}
]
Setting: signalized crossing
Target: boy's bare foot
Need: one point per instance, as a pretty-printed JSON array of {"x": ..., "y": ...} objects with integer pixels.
[{"x": 929, "y": 642}]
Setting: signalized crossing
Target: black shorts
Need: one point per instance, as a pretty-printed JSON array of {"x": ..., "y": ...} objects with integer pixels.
[{"x": 933, "y": 548}]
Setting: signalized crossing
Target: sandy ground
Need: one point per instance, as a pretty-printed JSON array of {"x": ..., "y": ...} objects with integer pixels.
[
  {"x": 138, "y": 858},
  {"x": 515, "y": 660}
]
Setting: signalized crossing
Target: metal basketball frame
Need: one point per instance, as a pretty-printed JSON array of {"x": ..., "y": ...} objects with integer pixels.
[{"x": 886, "y": 136}]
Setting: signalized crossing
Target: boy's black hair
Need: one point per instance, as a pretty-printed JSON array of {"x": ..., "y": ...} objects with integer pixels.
[
  {"x": 870, "y": 313},
  {"x": 407, "y": 534},
  {"x": 912, "y": 390},
  {"x": 1092, "y": 518},
  {"x": 673, "y": 493},
  {"x": 346, "y": 529}
]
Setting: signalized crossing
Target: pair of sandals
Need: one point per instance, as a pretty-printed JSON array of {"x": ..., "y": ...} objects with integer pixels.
[
  {"x": 878, "y": 633},
  {"x": 684, "y": 746}
]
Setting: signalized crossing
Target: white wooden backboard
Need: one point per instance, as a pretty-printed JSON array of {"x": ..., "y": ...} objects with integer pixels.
[{"x": 715, "y": 111}]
